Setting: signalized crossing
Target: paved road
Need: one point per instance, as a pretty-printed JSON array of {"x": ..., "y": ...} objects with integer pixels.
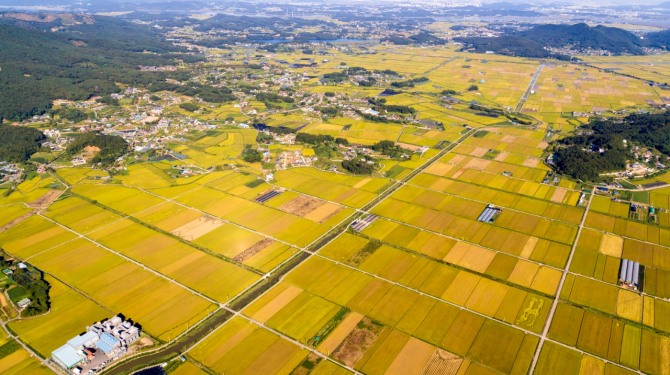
[
  {"x": 519, "y": 106},
  {"x": 550, "y": 317}
]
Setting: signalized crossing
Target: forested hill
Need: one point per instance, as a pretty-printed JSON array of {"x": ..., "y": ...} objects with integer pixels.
[
  {"x": 600, "y": 146},
  {"x": 578, "y": 37},
  {"x": 82, "y": 60},
  {"x": 660, "y": 39}
]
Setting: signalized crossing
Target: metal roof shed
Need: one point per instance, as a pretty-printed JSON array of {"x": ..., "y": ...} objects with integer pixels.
[
  {"x": 87, "y": 339},
  {"x": 67, "y": 357},
  {"x": 624, "y": 270}
]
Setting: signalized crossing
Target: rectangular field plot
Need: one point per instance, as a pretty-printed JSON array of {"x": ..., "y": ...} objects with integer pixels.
[
  {"x": 500, "y": 198},
  {"x": 169, "y": 217},
  {"x": 613, "y": 339},
  {"x": 33, "y": 236},
  {"x": 629, "y": 228},
  {"x": 374, "y": 297},
  {"x": 163, "y": 308},
  {"x": 613, "y": 300},
  {"x": 429, "y": 138},
  {"x": 121, "y": 198},
  {"x": 12, "y": 212},
  {"x": 148, "y": 175},
  {"x": 22, "y": 362},
  {"x": 469, "y": 158},
  {"x": 512, "y": 185},
  {"x": 241, "y": 347},
  {"x": 269, "y": 221},
  {"x": 512, "y": 150},
  {"x": 505, "y": 82},
  {"x": 214, "y": 277},
  {"x": 80, "y": 215},
  {"x": 470, "y": 209},
  {"x": 570, "y": 88},
  {"x": 483, "y": 234},
  {"x": 347, "y": 190}
]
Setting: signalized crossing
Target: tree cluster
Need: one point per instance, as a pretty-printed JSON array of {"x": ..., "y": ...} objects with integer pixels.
[
  {"x": 409, "y": 82},
  {"x": 68, "y": 113},
  {"x": 389, "y": 148},
  {"x": 358, "y": 166},
  {"x": 313, "y": 139},
  {"x": 251, "y": 155},
  {"x": 19, "y": 143},
  {"x": 32, "y": 281},
  {"x": 111, "y": 147}
]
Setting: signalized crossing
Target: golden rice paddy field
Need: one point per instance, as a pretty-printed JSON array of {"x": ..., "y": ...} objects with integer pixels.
[
  {"x": 570, "y": 88},
  {"x": 425, "y": 288}
]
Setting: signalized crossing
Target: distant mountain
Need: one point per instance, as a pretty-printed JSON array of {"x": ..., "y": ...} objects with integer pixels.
[
  {"x": 659, "y": 39},
  {"x": 579, "y": 37},
  {"x": 74, "y": 62}
]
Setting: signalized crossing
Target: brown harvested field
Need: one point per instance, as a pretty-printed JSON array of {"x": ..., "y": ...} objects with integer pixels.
[
  {"x": 283, "y": 299},
  {"x": 357, "y": 342},
  {"x": 508, "y": 139},
  {"x": 253, "y": 250},
  {"x": 408, "y": 146},
  {"x": 531, "y": 162},
  {"x": 442, "y": 363},
  {"x": 323, "y": 213},
  {"x": 439, "y": 169},
  {"x": 457, "y": 252},
  {"x": 458, "y": 173},
  {"x": 479, "y": 164},
  {"x": 611, "y": 245},
  {"x": 479, "y": 152},
  {"x": 197, "y": 228},
  {"x": 46, "y": 199},
  {"x": 457, "y": 159},
  {"x": 558, "y": 195},
  {"x": 529, "y": 247},
  {"x": 501, "y": 156},
  {"x": 301, "y": 205},
  {"x": 412, "y": 359},
  {"x": 340, "y": 333},
  {"x": 90, "y": 152}
]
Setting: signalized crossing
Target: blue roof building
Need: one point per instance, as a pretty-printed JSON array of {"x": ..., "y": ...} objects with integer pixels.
[{"x": 108, "y": 343}]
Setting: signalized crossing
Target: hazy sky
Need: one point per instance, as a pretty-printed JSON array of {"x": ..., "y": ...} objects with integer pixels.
[{"x": 458, "y": 2}]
